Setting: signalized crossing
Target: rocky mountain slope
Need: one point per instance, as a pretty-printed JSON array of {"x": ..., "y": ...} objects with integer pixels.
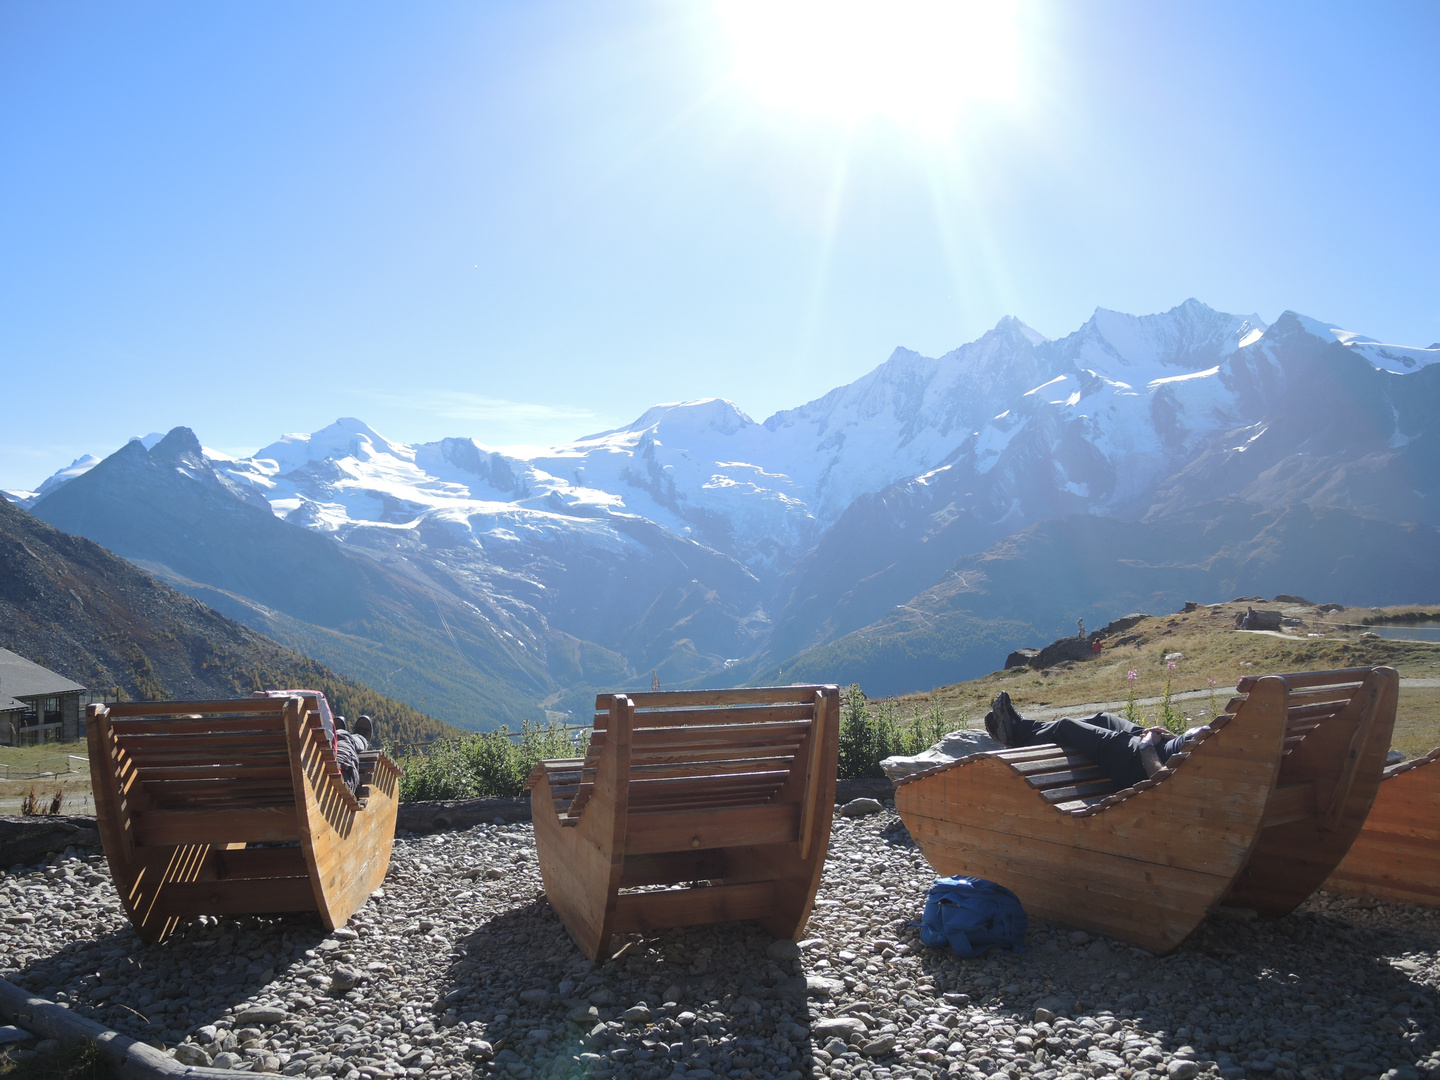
[
  {"x": 710, "y": 548},
  {"x": 68, "y": 604}
]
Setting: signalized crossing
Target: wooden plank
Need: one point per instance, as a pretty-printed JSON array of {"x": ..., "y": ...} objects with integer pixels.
[
  {"x": 1071, "y": 758},
  {"x": 1313, "y": 715},
  {"x": 675, "y": 768},
  {"x": 693, "y": 907},
  {"x": 664, "y": 786},
  {"x": 701, "y": 829},
  {"x": 244, "y": 792},
  {"x": 809, "y": 799},
  {"x": 173, "y": 827},
  {"x": 668, "y": 868},
  {"x": 1071, "y": 792},
  {"x": 241, "y": 896},
  {"x": 735, "y": 715},
  {"x": 217, "y": 725},
  {"x": 1038, "y": 752},
  {"x": 700, "y": 734},
  {"x": 200, "y": 755},
  {"x": 1323, "y": 694},
  {"x": 256, "y": 706},
  {"x": 1091, "y": 774},
  {"x": 761, "y": 695},
  {"x": 262, "y": 862},
  {"x": 213, "y": 773}
]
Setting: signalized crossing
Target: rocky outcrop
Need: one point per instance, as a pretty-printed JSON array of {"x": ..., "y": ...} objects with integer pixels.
[{"x": 27, "y": 840}]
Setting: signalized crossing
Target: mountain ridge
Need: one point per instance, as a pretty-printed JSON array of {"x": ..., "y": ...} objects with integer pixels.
[{"x": 702, "y": 546}]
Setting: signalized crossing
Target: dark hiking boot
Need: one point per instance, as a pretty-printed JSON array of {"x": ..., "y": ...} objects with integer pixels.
[
  {"x": 1007, "y": 721},
  {"x": 992, "y": 726}
]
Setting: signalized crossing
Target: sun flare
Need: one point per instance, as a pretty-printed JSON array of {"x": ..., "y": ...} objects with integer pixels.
[{"x": 920, "y": 64}]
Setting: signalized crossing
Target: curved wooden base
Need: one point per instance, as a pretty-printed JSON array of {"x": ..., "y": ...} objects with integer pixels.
[
  {"x": 1146, "y": 870},
  {"x": 1341, "y": 762},
  {"x": 1396, "y": 857},
  {"x": 1257, "y": 814}
]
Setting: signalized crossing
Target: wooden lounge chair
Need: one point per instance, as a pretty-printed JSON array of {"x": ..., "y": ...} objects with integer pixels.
[
  {"x": 235, "y": 807},
  {"x": 730, "y": 791},
  {"x": 1396, "y": 857},
  {"x": 1255, "y": 813}
]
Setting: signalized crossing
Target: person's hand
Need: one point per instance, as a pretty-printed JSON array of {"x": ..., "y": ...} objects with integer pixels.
[{"x": 1156, "y": 734}]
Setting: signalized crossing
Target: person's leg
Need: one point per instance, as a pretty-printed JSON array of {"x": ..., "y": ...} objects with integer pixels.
[
  {"x": 1117, "y": 752},
  {"x": 1113, "y": 723}
]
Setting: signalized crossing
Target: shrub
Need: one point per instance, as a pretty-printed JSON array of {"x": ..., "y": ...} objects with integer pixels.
[
  {"x": 32, "y": 804},
  {"x": 869, "y": 734},
  {"x": 485, "y": 764}
]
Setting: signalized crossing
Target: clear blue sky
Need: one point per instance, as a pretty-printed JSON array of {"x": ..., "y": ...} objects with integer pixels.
[{"x": 523, "y": 222}]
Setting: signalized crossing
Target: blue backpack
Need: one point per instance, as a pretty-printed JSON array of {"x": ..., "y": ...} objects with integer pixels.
[{"x": 972, "y": 915}]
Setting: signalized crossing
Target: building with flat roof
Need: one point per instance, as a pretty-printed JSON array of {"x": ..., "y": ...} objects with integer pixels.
[{"x": 36, "y": 704}]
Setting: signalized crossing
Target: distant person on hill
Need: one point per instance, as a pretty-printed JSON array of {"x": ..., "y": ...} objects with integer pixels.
[
  {"x": 349, "y": 745},
  {"x": 1128, "y": 753}
]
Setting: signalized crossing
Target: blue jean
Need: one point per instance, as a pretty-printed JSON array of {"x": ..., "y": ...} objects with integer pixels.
[{"x": 1111, "y": 740}]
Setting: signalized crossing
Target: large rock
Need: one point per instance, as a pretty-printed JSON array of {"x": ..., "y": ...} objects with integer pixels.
[
  {"x": 956, "y": 744},
  {"x": 28, "y": 840}
]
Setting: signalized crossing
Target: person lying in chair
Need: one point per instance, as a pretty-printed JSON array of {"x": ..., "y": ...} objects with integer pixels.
[
  {"x": 349, "y": 745},
  {"x": 1127, "y": 752}
]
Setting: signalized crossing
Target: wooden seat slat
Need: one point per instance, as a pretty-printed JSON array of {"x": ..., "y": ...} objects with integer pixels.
[
  {"x": 1049, "y": 763},
  {"x": 1088, "y": 775},
  {"x": 1321, "y": 694},
  {"x": 1067, "y": 792},
  {"x": 1315, "y": 713},
  {"x": 1026, "y": 754}
]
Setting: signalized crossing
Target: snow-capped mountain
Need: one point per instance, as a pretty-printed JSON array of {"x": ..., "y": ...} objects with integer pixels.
[{"x": 698, "y": 542}]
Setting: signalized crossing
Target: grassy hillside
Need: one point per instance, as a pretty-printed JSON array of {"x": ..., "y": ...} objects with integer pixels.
[
  {"x": 1210, "y": 649},
  {"x": 1042, "y": 579}
]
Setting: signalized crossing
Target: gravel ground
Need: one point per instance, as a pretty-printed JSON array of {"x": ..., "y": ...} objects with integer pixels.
[{"x": 458, "y": 968}]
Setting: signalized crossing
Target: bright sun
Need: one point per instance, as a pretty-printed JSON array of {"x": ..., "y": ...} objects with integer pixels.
[{"x": 918, "y": 63}]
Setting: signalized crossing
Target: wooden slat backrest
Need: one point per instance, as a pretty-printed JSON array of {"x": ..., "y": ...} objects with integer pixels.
[
  {"x": 206, "y": 754},
  {"x": 734, "y": 746}
]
